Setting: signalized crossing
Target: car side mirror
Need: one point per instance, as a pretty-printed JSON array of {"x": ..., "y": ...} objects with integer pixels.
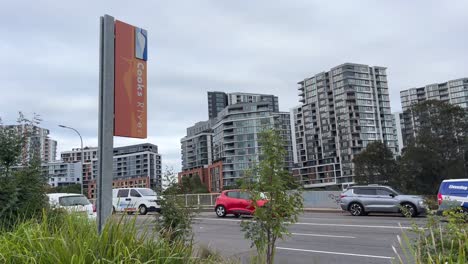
[{"x": 392, "y": 195}]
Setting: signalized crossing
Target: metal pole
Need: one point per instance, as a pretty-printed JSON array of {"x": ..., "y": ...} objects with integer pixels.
[
  {"x": 82, "y": 153},
  {"x": 106, "y": 121}
]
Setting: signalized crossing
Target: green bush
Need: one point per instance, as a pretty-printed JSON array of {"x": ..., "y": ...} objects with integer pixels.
[
  {"x": 442, "y": 241},
  {"x": 62, "y": 238}
]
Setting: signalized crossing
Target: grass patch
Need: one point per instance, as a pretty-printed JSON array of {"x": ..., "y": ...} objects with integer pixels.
[{"x": 64, "y": 238}]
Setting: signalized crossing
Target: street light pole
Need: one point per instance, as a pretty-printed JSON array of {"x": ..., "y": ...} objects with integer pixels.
[{"x": 82, "y": 153}]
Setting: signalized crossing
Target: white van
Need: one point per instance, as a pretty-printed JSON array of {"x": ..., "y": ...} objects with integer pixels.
[
  {"x": 130, "y": 200},
  {"x": 72, "y": 203}
]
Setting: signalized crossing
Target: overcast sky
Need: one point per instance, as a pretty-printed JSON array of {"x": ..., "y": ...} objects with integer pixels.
[{"x": 49, "y": 55}]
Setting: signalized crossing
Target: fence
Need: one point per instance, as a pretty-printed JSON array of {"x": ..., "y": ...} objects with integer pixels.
[{"x": 312, "y": 199}]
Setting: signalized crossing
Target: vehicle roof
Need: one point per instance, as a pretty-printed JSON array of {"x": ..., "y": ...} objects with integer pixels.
[
  {"x": 370, "y": 185},
  {"x": 455, "y": 180},
  {"x": 138, "y": 188},
  {"x": 236, "y": 190},
  {"x": 57, "y": 195}
]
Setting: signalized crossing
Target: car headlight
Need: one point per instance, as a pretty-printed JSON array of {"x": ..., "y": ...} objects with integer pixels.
[
  {"x": 421, "y": 202},
  {"x": 152, "y": 201}
]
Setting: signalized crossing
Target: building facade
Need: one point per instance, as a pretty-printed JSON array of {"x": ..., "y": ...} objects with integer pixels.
[
  {"x": 60, "y": 173},
  {"x": 221, "y": 149},
  {"x": 38, "y": 144},
  {"x": 217, "y": 101},
  {"x": 343, "y": 110},
  {"x": 133, "y": 166},
  {"x": 397, "y": 118},
  {"x": 453, "y": 92}
]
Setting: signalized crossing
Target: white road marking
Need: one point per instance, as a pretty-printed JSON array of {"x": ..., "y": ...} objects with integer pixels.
[
  {"x": 316, "y": 224},
  {"x": 320, "y": 235},
  {"x": 335, "y": 253}
]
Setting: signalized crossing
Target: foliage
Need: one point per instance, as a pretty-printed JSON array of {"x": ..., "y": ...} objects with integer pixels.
[
  {"x": 72, "y": 188},
  {"x": 192, "y": 185},
  {"x": 66, "y": 238},
  {"x": 375, "y": 165},
  {"x": 22, "y": 187},
  {"x": 440, "y": 149},
  {"x": 175, "y": 224},
  {"x": 283, "y": 206},
  {"x": 438, "y": 243}
]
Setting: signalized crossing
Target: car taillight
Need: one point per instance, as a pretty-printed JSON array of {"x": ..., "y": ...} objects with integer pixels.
[
  {"x": 439, "y": 198},
  {"x": 94, "y": 208},
  {"x": 342, "y": 196}
]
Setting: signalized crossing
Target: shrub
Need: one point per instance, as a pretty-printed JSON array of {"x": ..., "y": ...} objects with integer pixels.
[
  {"x": 439, "y": 242},
  {"x": 64, "y": 238}
]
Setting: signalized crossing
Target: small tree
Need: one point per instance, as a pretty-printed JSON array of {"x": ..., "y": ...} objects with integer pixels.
[
  {"x": 22, "y": 188},
  {"x": 283, "y": 207},
  {"x": 375, "y": 164},
  {"x": 175, "y": 222}
]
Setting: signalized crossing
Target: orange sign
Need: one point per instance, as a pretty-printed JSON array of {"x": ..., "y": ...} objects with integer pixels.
[{"x": 130, "y": 87}]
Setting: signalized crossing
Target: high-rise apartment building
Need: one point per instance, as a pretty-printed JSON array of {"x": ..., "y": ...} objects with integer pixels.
[
  {"x": 454, "y": 92},
  {"x": 38, "y": 144},
  {"x": 221, "y": 149},
  {"x": 90, "y": 154},
  {"x": 343, "y": 110},
  {"x": 396, "y": 119},
  {"x": 236, "y": 135}
]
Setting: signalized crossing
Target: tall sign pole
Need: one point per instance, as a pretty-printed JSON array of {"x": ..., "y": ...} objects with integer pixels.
[
  {"x": 122, "y": 99},
  {"x": 106, "y": 121}
]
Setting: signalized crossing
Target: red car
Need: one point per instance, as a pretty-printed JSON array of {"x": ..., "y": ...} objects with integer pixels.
[{"x": 236, "y": 202}]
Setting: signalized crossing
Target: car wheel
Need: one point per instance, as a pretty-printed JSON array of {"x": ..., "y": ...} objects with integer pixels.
[
  {"x": 220, "y": 211},
  {"x": 356, "y": 209},
  {"x": 142, "y": 210},
  {"x": 409, "y": 210}
]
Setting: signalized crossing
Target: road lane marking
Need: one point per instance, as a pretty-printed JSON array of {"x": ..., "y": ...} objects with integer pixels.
[
  {"x": 335, "y": 253},
  {"x": 320, "y": 235},
  {"x": 316, "y": 224}
]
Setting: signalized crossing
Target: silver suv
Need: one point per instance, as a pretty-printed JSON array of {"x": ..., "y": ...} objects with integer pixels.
[{"x": 361, "y": 200}]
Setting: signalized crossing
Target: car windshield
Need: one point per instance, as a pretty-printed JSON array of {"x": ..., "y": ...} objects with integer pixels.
[
  {"x": 73, "y": 200},
  {"x": 147, "y": 192}
]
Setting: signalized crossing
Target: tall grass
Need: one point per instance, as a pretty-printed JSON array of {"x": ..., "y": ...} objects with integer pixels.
[
  {"x": 438, "y": 243},
  {"x": 62, "y": 238}
]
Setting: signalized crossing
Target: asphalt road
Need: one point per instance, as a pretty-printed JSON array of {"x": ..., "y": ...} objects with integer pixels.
[{"x": 316, "y": 238}]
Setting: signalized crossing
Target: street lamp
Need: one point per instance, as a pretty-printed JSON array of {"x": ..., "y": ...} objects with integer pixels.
[{"x": 82, "y": 153}]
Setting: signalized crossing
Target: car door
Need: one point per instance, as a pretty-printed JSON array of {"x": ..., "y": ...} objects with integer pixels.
[
  {"x": 234, "y": 202},
  {"x": 135, "y": 197},
  {"x": 367, "y": 196},
  {"x": 123, "y": 201},
  {"x": 386, "y": 201},
  {"x": 246, "y": 202}
]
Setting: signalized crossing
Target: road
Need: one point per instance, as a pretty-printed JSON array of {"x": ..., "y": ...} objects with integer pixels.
[{"x": 316, "y": 238}]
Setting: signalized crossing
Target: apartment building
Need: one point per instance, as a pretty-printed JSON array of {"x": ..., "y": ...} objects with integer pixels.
[
  {"x": 60, "y": 173},
  {"x": 454, "y": 92},
  {"x": 343, "y": 110},
  {"x": 38, "y": 144},
  {"x": 221, "y": 149}
]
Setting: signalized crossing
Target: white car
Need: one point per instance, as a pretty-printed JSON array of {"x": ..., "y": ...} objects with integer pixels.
[
  {"x": 73, "y": 203},
  {"x": 130, "y": 200}
]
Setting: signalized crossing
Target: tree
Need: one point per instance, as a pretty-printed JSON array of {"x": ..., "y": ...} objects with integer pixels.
[
  {"x": 22, "y": 187},
  {"x": 192, "y": 184},
  {"x": 175, "y": 224},
  {"x": 440, "y": 149},
  {"x": 375, "y": 165},
  {"x": 270, "y": 178},
  {"x": 72, "y": 188}
]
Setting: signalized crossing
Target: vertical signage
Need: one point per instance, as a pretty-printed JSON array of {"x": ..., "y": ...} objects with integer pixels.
[{"x": 130, "y": 101}]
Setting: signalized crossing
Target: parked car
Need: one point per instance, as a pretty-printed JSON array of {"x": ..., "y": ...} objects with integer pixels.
[
  {"x": 236, "y": 202},
  {"x": 361, "y": 200},
  {"x": 73, "y": 203},
  {"x": 453, "y": 193},
  {"x": 131, "y": 200}
]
